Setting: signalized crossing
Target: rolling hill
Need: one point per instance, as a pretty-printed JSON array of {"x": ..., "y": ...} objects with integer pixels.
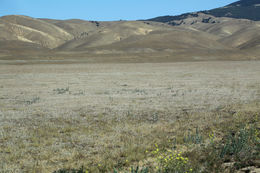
[{"x": 205, "y": 35}]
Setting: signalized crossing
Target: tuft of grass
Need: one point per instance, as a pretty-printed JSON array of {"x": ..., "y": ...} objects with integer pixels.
[
  {"x": 81, "y": 170},
  {"x": 136, "y": 170},
  {"x": 33, "y": 100},
  {"x": 61, "y": 90},
  {"x": 195, "y": 138},
  {"x": 242, "y": 147}
]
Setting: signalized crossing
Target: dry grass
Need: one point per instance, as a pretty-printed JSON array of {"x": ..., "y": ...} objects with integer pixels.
[{"x": 105, "y": 116}]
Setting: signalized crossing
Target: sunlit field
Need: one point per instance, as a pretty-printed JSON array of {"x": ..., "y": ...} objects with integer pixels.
[{"x": 117, "y": 117}]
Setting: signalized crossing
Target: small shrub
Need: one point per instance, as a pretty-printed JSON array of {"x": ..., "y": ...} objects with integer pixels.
[
  {"x": 136, "y": 170},
  {"x": 81, "y": 170},
  {"x": 193, "y": 138},
  {"x": 33, "y": 100},
  {"x": 171, "y": 161},
  {"x": 61, "y": 90},
  {"x": 242, "y": 147}
]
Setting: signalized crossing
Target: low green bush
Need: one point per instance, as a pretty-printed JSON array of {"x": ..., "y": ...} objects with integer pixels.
[{"x": 81, "y": 170}]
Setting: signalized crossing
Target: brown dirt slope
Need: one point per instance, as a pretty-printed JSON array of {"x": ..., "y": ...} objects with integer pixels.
[{"x": 196, "y": 36}]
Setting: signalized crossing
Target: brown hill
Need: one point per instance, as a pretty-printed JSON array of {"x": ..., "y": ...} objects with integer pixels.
[
  {"x": 197, "y": 37},
  {"x": 95, "y": 34},
  {"x": 32, "y": 30},
  {"x": 172, "y": 40},
  {"x": 237, "y": 33}
]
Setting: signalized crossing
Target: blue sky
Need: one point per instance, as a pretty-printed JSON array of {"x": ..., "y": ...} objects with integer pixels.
[{"x": 105, "y": 10}]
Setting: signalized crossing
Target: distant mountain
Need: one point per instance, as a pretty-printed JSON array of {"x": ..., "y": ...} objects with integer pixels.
[{"x": 243, "y": 9}]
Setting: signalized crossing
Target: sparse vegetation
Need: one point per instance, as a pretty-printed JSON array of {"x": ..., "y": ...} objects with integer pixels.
[
  {"x": 81, "y": 170},
  {"x": 239, "y": 147},
  {"x": 173, "y": 94},
  {"x": 61, "y": 90},
  {"x": 33, "y": 100},
  {"x": 195, "y": 138},
  {"x": 110, "y": 127},
  {"x": 136, "y": 170}
]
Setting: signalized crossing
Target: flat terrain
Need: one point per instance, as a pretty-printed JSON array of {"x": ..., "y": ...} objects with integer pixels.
[{"x": 54, "y": 116}]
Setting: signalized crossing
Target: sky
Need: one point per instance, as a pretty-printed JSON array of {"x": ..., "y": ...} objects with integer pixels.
[{"x": 105, "y": 10}]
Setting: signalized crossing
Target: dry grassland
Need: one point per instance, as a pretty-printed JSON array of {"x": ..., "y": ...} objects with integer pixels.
[{"x": 100, "y": 115}]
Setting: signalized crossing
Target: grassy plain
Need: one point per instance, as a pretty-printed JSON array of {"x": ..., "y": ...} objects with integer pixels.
[{"x": 106, "y": 116}]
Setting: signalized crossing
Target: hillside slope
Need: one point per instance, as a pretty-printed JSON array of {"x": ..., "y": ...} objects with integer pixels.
[
  {"x": 191, "y": 36},
  {"x": 32, "y": 30},
  {"x": 243, "y": 9}
]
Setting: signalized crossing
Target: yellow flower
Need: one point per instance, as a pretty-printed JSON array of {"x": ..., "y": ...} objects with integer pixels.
[{"x": 190, "y": 169}]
